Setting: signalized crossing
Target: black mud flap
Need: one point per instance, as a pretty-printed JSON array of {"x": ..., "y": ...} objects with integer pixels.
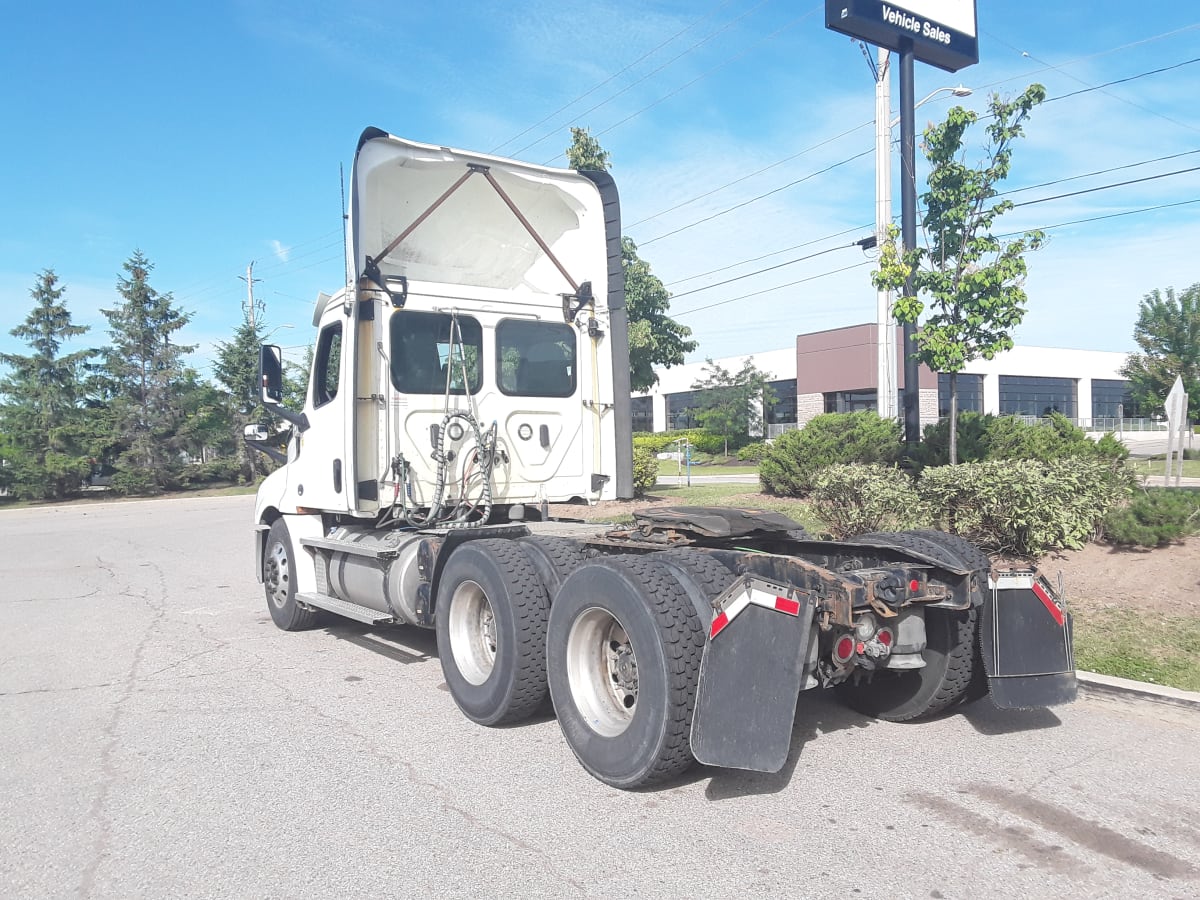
[
  {"x": 750, "y": 677},
  {"x": 1025, "y": 642}
]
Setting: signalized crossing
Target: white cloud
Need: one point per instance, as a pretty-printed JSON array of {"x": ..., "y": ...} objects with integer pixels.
[{"x": 282, "y": 253}]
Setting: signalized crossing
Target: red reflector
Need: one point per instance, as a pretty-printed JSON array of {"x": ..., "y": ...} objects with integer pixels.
[
  {"x": 1051, "y": 607},
  {"x": 884, "y": 637},
  {"x": 784, "y": 605},
  {"x": 718, "y": 623},
  {"x": 843, "y": 649},
  {"x": 914, "y": 586}
]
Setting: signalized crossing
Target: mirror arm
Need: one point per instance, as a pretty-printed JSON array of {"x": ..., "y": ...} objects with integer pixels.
[{"x": 300, "y": 420}]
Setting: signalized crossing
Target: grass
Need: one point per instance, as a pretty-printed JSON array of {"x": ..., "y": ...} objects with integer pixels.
[
  {"x": 230, "y": 490},
  {"x": 671, "y": 467},
  {"x": 1191, "y": 467},
  {"x": 1129, "y": 644}
]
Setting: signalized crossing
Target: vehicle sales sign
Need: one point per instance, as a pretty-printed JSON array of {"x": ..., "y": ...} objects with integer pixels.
[{"x": 942, "y": 32}]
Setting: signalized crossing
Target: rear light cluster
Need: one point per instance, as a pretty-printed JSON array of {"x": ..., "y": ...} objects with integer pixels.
[{"x": 868, "y": 641}]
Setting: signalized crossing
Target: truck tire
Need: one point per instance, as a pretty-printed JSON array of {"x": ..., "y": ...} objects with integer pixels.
[
  {"x": 950, "y": 653},
  {"x": 490, "y": 620},
  {"x": 554, "y": 558},
  {"x": 279, "y": 580},
  {"x": 623, "y": 656}
]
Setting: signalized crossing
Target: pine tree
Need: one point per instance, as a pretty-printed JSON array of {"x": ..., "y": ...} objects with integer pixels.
[
  {"x": 145, "y": 374},
  {"x": 236, "y": 370},
  {"x": 41, "y": 416}
]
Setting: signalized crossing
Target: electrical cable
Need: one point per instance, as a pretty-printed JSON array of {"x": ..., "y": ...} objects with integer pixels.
[
  {"x": 688, "y": 312},
  {"x": 649, "y": 74},
  {"x": 1105, "y": 187},
  {"x": 610, "y": 78},
  {"x": 761, "y": 271},
  {"x": 768, "y": 255}
]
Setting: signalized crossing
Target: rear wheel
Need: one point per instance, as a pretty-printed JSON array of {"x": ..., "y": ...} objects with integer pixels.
[
  {"x": 623, "y": 656},
  {"x": 951, "y": 657},
  {"x": 491, "y": 631},
  {"x": 279, "y": 580}
]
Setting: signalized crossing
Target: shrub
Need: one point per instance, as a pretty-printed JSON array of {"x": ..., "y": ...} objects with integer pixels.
[
  {"x": 1154, "y": 518},
  {"x": 645, "y": 470},
  {"x": 934, "y": 449},
  {"x": 224, "y": 469},
  {"x": 752, "y": 452},
  {"x": 133, "y": 481},
  {"x": 1051, "y": 438},
  {"x": 1025, "y": 507},
  {"x": 854, "y": 499},
  {"x": 662, "y": 441},
  {"x": 792, "y": 461}
]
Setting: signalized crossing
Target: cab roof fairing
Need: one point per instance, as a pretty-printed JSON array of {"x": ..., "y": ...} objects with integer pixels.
[{"x": 395, "y": 181}]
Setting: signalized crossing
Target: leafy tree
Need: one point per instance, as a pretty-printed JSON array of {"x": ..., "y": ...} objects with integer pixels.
[
  {"x": 42, "y": 418},
  {"x": 655, "y": 339},
  {"x": 973, "y": 279},
  {"x": 1168, "y": 332},
  {"x": 145, "y": 373},
  {"x": 731, "y": 403}
]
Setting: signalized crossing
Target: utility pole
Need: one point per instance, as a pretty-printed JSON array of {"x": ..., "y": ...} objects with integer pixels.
[{"x": 251, "y": 307}]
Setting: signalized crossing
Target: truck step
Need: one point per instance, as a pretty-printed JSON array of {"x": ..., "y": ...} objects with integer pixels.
[{"x": 345, "y": 608}]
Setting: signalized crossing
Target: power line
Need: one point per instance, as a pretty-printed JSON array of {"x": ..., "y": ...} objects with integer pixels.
[
  {"x": 1134, "y": 165},
  {"x": 1105, "y": 187},
  {"x": 759, "y": 197},
  {"x": 649, "y": 74},
  {"x": 1123, "y": 80},
  {"x": 761, "y": 271},
  {"x": 611, "y": 77},
  {"x": 768, "y": 255},
  {"x": 1116, "y": 215},
  {"x": 779, "y": 287}
]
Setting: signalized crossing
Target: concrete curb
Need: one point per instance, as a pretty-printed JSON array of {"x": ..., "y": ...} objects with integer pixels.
[{"x": 1102, "y": 687}]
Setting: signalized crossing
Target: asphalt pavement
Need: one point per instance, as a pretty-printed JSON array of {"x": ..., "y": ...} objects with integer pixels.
[{"x": 160, "y": 738}]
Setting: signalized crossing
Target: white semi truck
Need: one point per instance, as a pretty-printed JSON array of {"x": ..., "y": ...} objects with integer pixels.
[{"x": 473, "y": 370}]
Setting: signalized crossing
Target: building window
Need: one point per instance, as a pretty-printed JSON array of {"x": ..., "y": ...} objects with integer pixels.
[
  {"x": 1031, "y": 396},
  {"x": 850, "y": 401},
  {"x": 784, "y": 408},
  {"x": 1111, "y": 399},
  {"x": 641, "y": 410},
  {"x": 681, "y": 410},
  {"x": 970, "y": 393}
]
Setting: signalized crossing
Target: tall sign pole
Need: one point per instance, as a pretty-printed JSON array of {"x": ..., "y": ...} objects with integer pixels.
[
  {"x": 941, "y": 33},
  {"x": 908, "y": 227},
  {"x": 885, "y": 324}
]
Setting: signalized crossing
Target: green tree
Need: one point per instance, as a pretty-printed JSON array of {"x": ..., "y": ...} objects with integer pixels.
[
  {"x": 731, "y": 404},
  {"x": 655, "y": 339},
  {"x": 208, "y": 427},
  {"x": 41, "y": 413},
  {"x": 973, "y": 279},
  {"x": 236, "y": 370},
  {"x": 145, "y": 374},
  {"x": 1168, "y": 333}
]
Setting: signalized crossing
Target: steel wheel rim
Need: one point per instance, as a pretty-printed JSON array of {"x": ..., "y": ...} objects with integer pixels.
[
  {"x": 602, "y": 672},
  {"x": 278, "y": 574},
  {"x": 473, "y": 639}
]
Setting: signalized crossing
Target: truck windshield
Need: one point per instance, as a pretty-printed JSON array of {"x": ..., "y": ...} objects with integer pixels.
[{"x": 421, "y": 345}]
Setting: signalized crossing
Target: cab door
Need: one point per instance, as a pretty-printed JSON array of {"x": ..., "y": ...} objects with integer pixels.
[{"x": 319, "y": 474}]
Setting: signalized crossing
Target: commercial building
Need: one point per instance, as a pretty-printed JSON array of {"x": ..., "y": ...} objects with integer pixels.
[{"x": 835, "y": 371}]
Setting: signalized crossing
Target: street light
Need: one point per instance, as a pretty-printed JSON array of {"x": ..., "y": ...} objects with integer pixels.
[
  {"x": 885, "y": 338},
  {"x": 275, "y": 329}
]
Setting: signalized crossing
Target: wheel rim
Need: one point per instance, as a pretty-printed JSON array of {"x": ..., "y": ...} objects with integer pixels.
[
  {"x": 277, "y": 574},
  {"x": 602, "y": 672},
  {"x": 472, "y": 632}
]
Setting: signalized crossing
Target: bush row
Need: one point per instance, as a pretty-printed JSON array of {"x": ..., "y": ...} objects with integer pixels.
[
  {"x": 662, "y": 441},
  {"x": 1016, "y": 507}
]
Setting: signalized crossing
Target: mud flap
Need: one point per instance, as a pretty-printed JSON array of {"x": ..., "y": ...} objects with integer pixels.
[
  {"x": 750, "y": 677},
  {"x": 1025, "y": 642}
]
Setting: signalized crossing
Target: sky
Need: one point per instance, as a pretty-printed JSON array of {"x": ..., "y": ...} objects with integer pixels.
[{"x": 741, "y": 133}]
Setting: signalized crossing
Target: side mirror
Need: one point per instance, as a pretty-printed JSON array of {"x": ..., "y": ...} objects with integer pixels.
[
  {"x": 255, "y": 433},
  {"x": 270, "y": 374}
]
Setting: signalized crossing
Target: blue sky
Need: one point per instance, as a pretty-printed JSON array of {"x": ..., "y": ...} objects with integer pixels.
[{"x": 209, "y": 135}]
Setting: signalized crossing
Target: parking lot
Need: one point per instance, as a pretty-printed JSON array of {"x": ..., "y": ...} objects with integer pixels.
[{"x": 160, "y": 738}]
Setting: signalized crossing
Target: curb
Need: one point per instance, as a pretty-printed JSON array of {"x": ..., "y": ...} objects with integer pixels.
[{"x": 1103, "y": 687}]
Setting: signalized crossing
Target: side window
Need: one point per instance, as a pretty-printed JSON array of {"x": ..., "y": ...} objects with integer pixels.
[
  {"x": 327, "y": 363},
  {"x": 421, "y": 352},
  {"x": 535, "y": 359}
]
